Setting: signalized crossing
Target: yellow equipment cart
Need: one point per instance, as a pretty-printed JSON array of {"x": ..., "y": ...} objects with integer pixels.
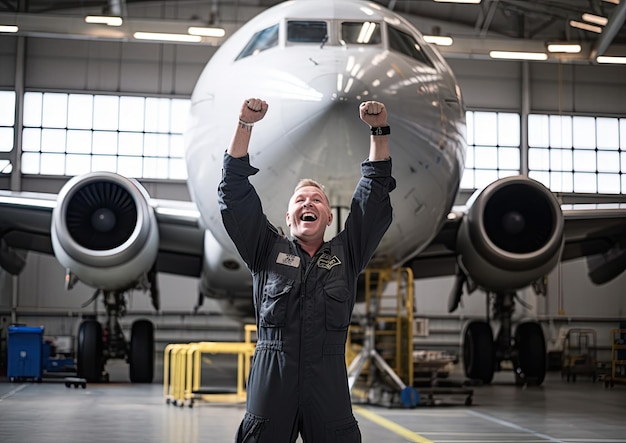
[{"x": 579, "y": 354}]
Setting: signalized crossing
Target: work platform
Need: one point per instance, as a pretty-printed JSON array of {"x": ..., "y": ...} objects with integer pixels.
[{"x": 384, "y": 367}]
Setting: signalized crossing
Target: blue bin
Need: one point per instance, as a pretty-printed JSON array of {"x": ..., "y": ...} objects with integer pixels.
[{"x": 25, "y": 359}]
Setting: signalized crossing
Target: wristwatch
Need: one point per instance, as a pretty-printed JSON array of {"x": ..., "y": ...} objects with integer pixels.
[{"x": 382, "y": 130}]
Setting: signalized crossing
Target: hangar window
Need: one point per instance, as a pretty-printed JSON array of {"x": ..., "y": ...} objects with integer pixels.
[
  {"x": 7, "y": 128},
  {"x": 493, "y": 148},
  {"x": 260, "y": 41},
  {"x": 404, "y": 43},
  {"x": 578, "y": 153},
  {"x": 70, "y": 134},
  {"x": 307, "y": 31},
  {"x": 362, "y": 33}
]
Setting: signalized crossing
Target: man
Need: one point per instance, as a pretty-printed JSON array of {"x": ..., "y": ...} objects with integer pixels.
[{"x": 304, "y": 288}]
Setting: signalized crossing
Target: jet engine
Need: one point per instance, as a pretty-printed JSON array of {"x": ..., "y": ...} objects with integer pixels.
[
  {"x": 104, "y": 230},
  {"x": 511, "y": 236}
]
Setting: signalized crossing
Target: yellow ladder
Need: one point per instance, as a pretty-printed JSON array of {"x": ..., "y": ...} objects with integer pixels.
[{"x": 393, "y": 315}]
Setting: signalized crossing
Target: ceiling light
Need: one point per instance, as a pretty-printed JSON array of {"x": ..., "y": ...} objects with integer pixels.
[
  {"x": 585, "y": 26},
  {"x": 510, "y": 55},
  {"x": 612, "y": 60},
  {"x": 597, "y": 19},
  {"x": 8, "y": 28},
  {"x": 474, "y": 2},
  {"x": 615, "y": 2},
  {"x": 439, "y": 40},
  {"x": 206, "y": 32},
  {"x": 104, "y": 20},
  {"x": 167, "y": 37},
  {"x": 569, "y": 48}
]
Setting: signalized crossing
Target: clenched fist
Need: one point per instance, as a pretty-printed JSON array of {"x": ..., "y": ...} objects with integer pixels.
[
  {"x": 373, "y": 113},
  {"x": 252, "y": 110}
]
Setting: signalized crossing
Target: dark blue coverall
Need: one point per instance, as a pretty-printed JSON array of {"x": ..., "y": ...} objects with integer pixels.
[{"x": 298, "y": 380}]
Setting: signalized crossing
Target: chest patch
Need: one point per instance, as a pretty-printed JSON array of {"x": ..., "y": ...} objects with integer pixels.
[
  {"x": 288, "y": 260},
  {"x": 327, "y": 262}
]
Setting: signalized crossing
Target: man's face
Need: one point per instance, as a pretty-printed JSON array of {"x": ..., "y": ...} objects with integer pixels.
[{"x": 309, "y": 213}]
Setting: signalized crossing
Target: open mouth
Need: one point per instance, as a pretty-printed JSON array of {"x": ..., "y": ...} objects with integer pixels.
[{"x": 308, "y": 217}]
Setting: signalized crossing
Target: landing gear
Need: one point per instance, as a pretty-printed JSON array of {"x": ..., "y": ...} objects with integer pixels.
[
  {"x": 478, "y": 352},
  {"x": 89, "y": 358},
  {"x": 530, "y": 344},
  {"x": 97, "y": 344},
  {"x": 141, "y": 353},
  {"x": 482, "y": 355}
]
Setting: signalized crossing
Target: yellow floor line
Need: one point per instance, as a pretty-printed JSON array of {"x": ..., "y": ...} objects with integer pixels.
[{"x": 393, "y": 427}]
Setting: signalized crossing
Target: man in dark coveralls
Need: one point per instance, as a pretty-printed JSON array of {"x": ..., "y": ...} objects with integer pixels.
[{"x": 304, "y": 288}]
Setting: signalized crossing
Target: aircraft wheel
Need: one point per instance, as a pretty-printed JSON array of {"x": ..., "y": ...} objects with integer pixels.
[
  {"x": 479, "y": 352},
  {"x": 89, "y": 355},
  {"x": 141, "y": 355},
  {"x": 531, "y": 351}
]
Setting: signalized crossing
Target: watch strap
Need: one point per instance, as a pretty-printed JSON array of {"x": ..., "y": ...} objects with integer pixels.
[{"x": 381, "y": 130}]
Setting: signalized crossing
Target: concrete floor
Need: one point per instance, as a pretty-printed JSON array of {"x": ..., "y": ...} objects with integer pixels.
[{"x": 558, "y": 411}]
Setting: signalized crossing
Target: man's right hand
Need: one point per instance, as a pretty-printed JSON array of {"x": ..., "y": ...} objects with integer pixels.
[{"x": 252, "y": 110}]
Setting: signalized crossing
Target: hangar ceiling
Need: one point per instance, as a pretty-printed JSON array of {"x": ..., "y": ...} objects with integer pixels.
[{"x": 476, "y": 29}]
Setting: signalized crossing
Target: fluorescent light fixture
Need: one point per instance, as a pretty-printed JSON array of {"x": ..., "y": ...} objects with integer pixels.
[
  {"x": 596, "y": 19},
  {"x": 206, "y": 32},
  {"x": 104, "y": 20},
  {"x": 439, "y": 40},
  {"x": 474, "y": 2},
  {"x": 367, "y": 29},
  {"x": 611, "y": 60},
  {"x": 167, "y": 37},
  {"x": 585, "y": 26},
  {"x": 615, "y": 2},
  {"x": 569, "y": 48},
  {"x": 8, "y": 28},
  {"x": 511, "y": 55}
]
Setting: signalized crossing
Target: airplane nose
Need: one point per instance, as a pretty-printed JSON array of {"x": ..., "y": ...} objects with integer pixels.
[
  {"x": 330, "y": 98},
  {"x": 340, "y": 87}
]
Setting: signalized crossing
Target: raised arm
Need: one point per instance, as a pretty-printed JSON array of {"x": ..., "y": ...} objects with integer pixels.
[
  {"x": 375, "y": 114},
  {"x": 252, "y": 110}
]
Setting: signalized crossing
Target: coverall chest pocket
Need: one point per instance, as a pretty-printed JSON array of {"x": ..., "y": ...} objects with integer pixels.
[
  {"x": 338, "y": 306},
  {"x": 273, "y": 312}
]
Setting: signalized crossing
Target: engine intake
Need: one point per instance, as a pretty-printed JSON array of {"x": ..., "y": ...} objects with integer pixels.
[
  {"x": 104, "y": 230},
  {"x": 512, "y": 234}
]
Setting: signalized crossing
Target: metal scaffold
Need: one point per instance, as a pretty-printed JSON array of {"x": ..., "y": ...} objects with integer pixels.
[{"x": 380, "y": 352}]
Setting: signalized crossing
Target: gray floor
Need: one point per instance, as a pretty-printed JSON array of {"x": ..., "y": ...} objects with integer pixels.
[{"x": 121, "y": 412}]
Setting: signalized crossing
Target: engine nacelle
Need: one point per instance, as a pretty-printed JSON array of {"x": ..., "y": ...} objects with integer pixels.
[
  {"x": 512, "y": 234},
  {"x": 104, "y": 230}
]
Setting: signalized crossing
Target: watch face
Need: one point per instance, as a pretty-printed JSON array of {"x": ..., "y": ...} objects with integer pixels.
[{"x": 384, "y": 130}]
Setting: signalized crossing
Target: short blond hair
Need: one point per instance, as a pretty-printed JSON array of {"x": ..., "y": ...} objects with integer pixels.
[{"x": 310, "y": 182}]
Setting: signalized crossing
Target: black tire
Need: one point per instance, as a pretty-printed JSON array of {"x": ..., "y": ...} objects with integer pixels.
[
  {"x": 89, "y": 361},
  {"x": 141, "y": 352},
  {"x": 531, "y": 355},
  {"x": 479, "y": 352}
]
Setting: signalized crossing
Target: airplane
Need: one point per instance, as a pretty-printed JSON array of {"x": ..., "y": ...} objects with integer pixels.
[{"x": 314, "y": 62}]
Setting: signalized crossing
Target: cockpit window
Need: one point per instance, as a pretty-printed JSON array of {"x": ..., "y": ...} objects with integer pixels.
[
  {"x": 307, "y": 31},
  {"x": 262, "y": 40},
  {"x": 362, "y": 33},
  {"x": 404, "y": 43}
]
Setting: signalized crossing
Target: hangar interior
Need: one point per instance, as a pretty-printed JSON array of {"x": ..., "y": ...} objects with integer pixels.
[{"x": 57, "y": 54}]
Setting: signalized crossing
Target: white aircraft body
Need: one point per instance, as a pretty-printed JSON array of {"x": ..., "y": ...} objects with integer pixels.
[
  {"x": 313, "y": 75},
  {"x": 314, "y": 61}
]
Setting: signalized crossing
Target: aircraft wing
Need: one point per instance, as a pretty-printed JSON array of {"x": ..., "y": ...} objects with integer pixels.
[
  {"x": 181, "y": 237},
  {"x": 483, "y": 242}
]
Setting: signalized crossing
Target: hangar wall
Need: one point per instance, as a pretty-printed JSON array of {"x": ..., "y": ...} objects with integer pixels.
[{"x": 38, "y": 296}]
